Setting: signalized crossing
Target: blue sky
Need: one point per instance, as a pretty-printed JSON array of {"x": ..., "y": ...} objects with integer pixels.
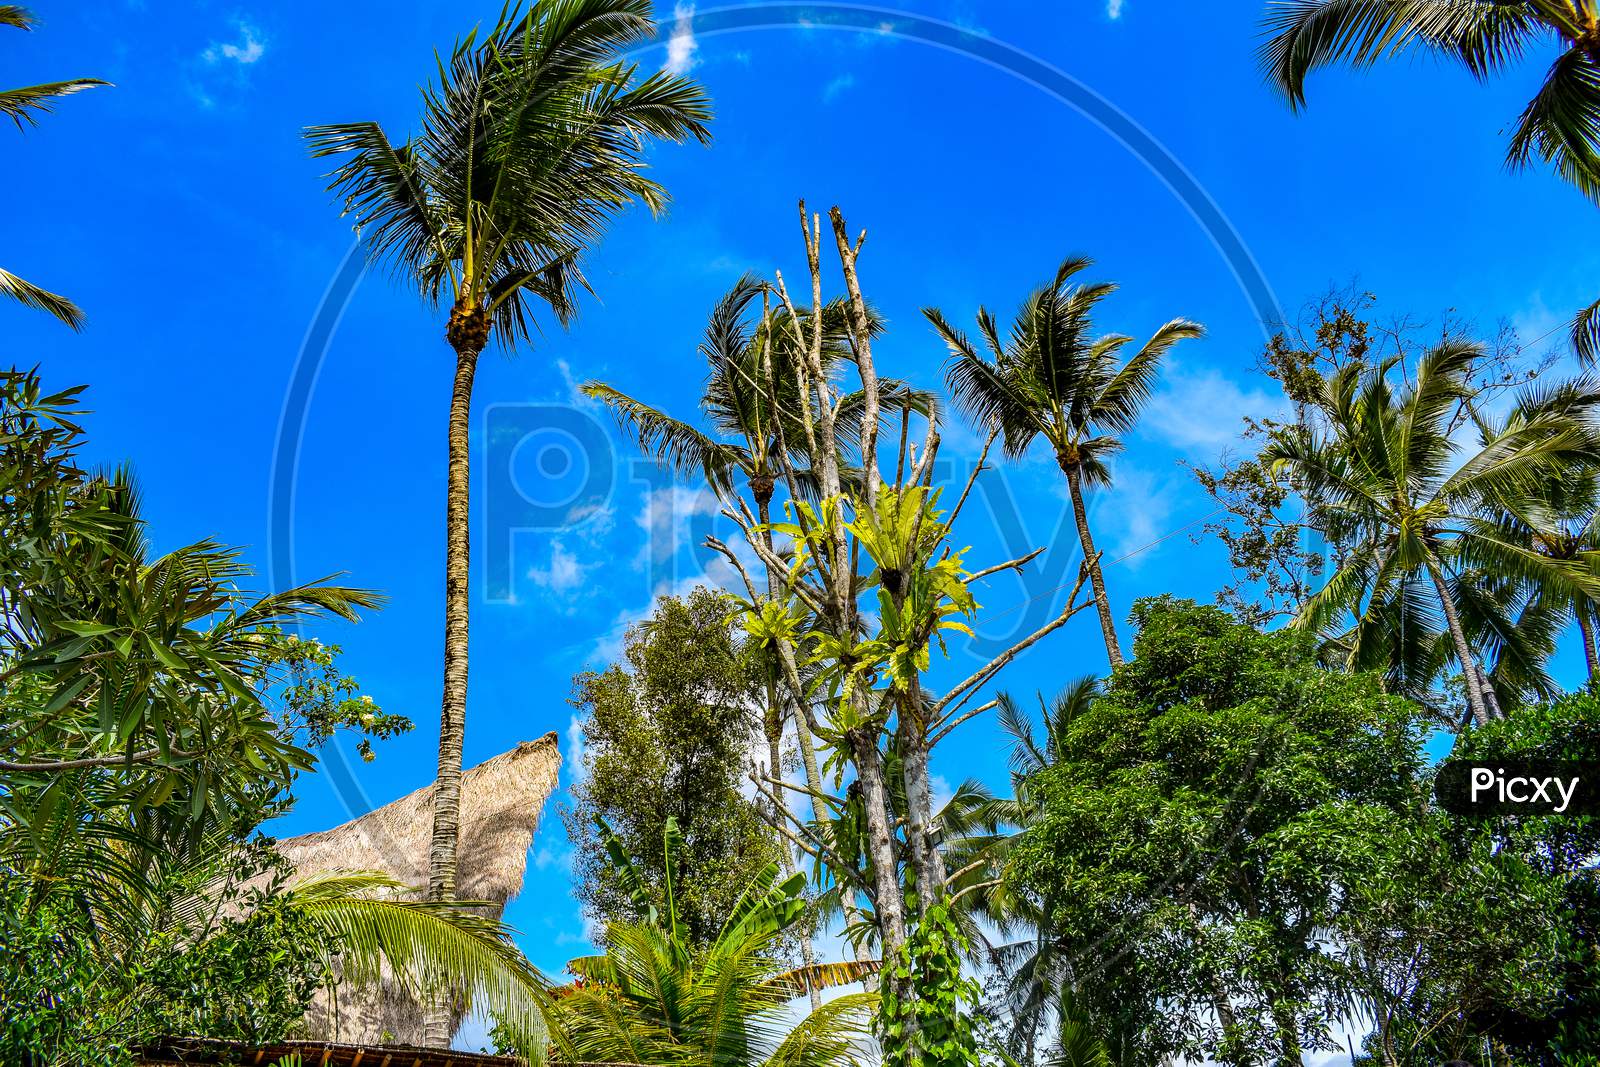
[{"x": 181, "y": 211}]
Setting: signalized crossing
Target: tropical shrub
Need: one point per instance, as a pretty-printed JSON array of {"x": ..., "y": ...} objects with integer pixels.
[{"x": 655, "y": 997}]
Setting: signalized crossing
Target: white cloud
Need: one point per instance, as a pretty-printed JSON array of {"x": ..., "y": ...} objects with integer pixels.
[
  {"x": 681, "y": 46},
  {"x": 563, "y": 574},
  {"x": 547, "y": 858},
  {"x": 1114, "y": 9},
  {"x": 574, "y": 387},
  {"x": 1202, "y": 411},
  {"x": 835, "y": 88},
  {"x": 575, "y": 760},
  {"x": 665, "y": 516},
  {"x": 247, "y": 50},
  {"x": 1135, "y": 511}
]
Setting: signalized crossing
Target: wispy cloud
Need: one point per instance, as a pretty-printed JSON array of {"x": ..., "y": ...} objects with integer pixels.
[
  {"x": 1137, "y": 512},
  {"x": 563, "y": 574},
  {"x": 1114, "y": 9},
  {"x": 837, "y": 86},
  {"x": 245, "y": 51},
  {"x": 681, "y": 46},
  {"x": 575, "y": 764},
  {"x": 1202, "y": 411},
  {"x": 666, "y": 515}
]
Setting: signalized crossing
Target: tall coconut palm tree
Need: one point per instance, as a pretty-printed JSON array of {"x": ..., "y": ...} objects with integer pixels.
[
  {"x": 532, "y": 141},
  {"x": 1558, "y": 518},
  {"x": 1561, "y": 124},
  {"x": 23, "y": 106},
  {"x": 1051, "y": 379},
  {"x": 1387, "y": 466}
]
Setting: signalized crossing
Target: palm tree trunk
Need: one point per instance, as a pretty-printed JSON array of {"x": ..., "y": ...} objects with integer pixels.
[
  {"x": 468, "y": 332},
  {"x": 1586, "y": 631},
  {"x": 1458, "y": 637},
  {"x": 1102, "y": 603}
]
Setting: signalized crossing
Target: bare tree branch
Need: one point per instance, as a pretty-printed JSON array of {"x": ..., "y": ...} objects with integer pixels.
[{"x": 1013, "y": 564}]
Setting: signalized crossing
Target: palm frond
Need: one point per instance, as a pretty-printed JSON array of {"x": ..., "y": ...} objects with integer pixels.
[
  {"x": 432, "y": 945},
  {"x": 838, "y": 1034},
  {"x": 1561, "y": 124},
  {"x": 985, "y": 392},
  {"x": 30, "y": 295},
  {"x": 24, "y": 105},
  {"x": 1585, "y": 332},
  {"x": 1304, "y": 35},
  {"x": 1123, "y": 396},
  {"x": 820, "y": 976},
  {"x": 676, "y": 445}
]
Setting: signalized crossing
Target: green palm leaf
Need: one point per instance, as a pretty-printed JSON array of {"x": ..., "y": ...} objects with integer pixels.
[
  {"x": 23, "y": 106},
  {"x": 1585, "y": 330},
  {"x": 30, "y": 295},
  {"x": 431, "y": 945},
  {"x": 1561, "y": 124}
]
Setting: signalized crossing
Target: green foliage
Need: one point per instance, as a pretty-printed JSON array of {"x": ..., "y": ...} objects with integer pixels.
[
  {"x": 1438, "y": 927},
  {"x": 249, "y": 979},
  {"x": 920, "y": 597},
  {"x": 666, "y": 739},
  {"x": 50, "y": 1012},
  {"x": 80, "y": 991},
  {"x": 1562, "y": 849},
  {"x": 1169, "y": 822},
  {"x": 317, "y": 700},
  {"x": 656, "y": 997},
  {"x": 533, "y": 140},
  {"x": 1237, "y": 847},
  {"x": 931, "y": 1025}
]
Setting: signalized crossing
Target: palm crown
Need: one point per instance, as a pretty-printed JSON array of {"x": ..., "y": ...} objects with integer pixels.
[
  {"x": 1388, "y": 471},
  {"x": 1560, "y": 125},
  {"x": 531, "y": 141},
  {"x": 751, "y": 399},
  {"x": 1052, "y": 378}
]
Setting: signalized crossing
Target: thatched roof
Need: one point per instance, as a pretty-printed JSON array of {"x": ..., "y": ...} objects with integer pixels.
[{"x": 501, "y": 800}]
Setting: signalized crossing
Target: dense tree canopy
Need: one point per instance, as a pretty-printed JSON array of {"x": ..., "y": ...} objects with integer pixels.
[
  {"x": 1168, "y": 826},
  {"x": 671, "y": 733}
]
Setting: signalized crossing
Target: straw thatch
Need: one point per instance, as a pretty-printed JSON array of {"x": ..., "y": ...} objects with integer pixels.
[{"x": 501, "y": 800}]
